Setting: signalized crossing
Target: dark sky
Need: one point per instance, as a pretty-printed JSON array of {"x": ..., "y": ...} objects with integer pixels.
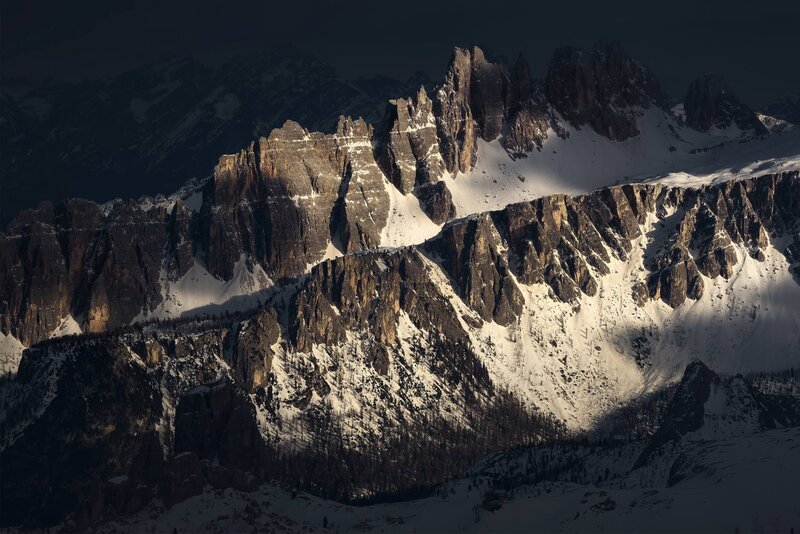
[{"x": 754, "y": 45}]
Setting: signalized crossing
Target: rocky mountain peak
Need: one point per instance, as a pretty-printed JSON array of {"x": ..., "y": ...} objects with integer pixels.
[
  {"x": 408, "y": 147},
  {"x": 488, "y": 95},
  {"x": 472, "y": 102},
  {"x": 706, "y": 405},
  {"x": 601, "y": 88},
  {"x": 521, "y": 84},
  {"x": 454, "y": 119},
  {"x": 710, "y": 103}
]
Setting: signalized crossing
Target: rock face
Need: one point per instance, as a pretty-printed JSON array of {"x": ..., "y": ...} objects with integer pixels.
[
  {"x": 676, "y": 274},
  {"x": 216, "y": 440},
  {"x": 529, "y": 115},
  {"x": 279, "y": 200},
  {"x": 473, "y": 102},
  {"x": 409, "y": 147},
  {"x": 274, "y": 200},
  {"x": 710, "y": 103},
  {"x": 706, "y": 403},
  {"x": 602, "y": 88},
  {"x": 252, "y": 354},
  {"x": 340, "y": 296},
  {"x": 470, "y": 256},
  {"x": 101, "y": 424},
  {"x": 437, "y": 202},
  {"x": 454, "y": 120},
  {"x": 527, "y": 128},
  {"x": 710, "y": 222},
  {"x": 364, "y": 204},
  {"x": 294, "y": 197},
  {"x": 489, "y": 87},
  {"x": 71, "y": 259}
]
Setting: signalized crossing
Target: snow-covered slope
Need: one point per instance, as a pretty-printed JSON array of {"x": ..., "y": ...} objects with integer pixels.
[
  {"x": 198, "y": 292},
  {"x": 757, "y": 472},
  {"x": 10, "y": 353},
  {"x": 580, "y": 363},
  {"x": 664, "y": 151}
]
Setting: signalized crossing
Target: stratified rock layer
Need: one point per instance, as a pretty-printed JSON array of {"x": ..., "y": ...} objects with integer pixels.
[{"x": 295, "y": 197}]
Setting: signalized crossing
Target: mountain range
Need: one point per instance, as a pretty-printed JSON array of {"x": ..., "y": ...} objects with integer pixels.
[
  {"x": 575, "y": 268},
  {"x": 148, "y": 130}
]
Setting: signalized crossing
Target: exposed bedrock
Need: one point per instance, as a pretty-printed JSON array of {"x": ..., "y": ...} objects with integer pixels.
[
  {"x": 710, "y": 103},
  {"x": 602, "y": 88}
]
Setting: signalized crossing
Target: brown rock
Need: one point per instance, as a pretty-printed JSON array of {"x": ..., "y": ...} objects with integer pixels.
[
  {"x": 602, "y": 88},
  {"x": 408, "y": 150},
  {"x": 470, "y": 255},
  {"x": 454, "y": 121},
  {"x": 437, "y": 202},
  {"x": 251, "y": 356}
]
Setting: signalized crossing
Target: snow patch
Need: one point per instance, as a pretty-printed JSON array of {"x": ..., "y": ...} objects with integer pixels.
[
  {"x": 10, "y": 353},
  {"x": 68, "y": 326},
  {"x": 198, "y": 291},
  {"x": 407, "y": 223}
]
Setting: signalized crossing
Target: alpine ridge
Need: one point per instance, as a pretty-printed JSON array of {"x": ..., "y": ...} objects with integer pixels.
[
  {"x": 295, "y": 197},
  {"x": 494, "y": 281},
  {"x": 436, "y": 354}
]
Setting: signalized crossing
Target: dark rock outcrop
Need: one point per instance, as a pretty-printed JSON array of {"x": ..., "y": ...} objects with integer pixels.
[
  {"x": 71, "y": 259},
  {"x": 603, "y": 88},
  {"x": 251, "y": 356},
  {"x": 527, "y": 129},
  {"x": 710, "y": 103},
  {"x": 367, "y": 292},
  {"x": 437, "y": 202},
  {"x": 470, "y": 253},
  {"x": 488, "y": 92},
  {"x": 216, "y": 440},
  {"x": 675, "y": 274}
]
